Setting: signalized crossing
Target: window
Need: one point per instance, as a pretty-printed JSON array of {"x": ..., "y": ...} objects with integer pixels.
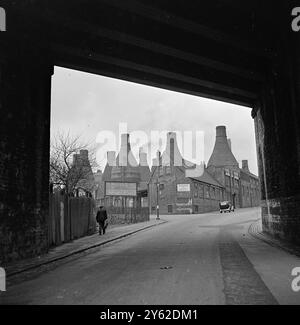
[
  {"x": 161, "y": 187},
  {"x": 213, "y": 193},
  {"x": 201, "y": 191},
  {"x": 207, "y": 192},
  {"x": 170, "y": 208},
  {"x": 195, "y": 194},
  {"x": 217, "y": 194},
  {"x": 227, "y": 181},
  {"x": 130, "y": 202}
]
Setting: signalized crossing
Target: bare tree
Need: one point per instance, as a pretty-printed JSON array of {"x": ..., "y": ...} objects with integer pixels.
[{"x": 68, "y": 169}]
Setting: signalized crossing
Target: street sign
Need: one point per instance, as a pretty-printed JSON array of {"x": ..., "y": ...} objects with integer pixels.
[{"x": 120, "y": 189}]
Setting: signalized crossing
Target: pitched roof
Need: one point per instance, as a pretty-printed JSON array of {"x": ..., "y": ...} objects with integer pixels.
[
  {"x": 247, "y": 172},
  {"x": 207, "y": 178}
]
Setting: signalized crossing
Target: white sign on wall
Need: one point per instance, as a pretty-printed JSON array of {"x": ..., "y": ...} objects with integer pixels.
[
  {"x": 120, "y": 189},
  {"x": 183, "y": 188}
]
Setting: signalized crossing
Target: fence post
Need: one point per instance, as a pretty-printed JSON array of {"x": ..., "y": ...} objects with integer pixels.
[{"x": 70, "y": 217}]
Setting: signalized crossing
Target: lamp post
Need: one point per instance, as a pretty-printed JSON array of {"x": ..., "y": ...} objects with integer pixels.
[{"x": 157, "y": 200}]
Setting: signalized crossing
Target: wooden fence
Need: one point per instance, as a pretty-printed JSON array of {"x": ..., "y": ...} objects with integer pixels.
[{"x": 70, "y": 218}]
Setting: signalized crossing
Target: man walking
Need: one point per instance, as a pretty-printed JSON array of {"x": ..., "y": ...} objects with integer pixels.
[{"x": 101, "y": 219}]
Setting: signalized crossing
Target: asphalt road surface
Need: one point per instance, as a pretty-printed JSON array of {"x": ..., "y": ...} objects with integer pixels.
[{"x": 191, "y": 259}]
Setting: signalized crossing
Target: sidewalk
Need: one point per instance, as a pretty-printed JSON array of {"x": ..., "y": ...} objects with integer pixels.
[
  {"x": 256, "y": 231},
  {"x": 273, "y": 260},
  {"x": 80, "y": 245}
]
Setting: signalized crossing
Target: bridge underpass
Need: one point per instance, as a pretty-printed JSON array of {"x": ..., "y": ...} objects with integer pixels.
[{"x": 244, "y": 53}]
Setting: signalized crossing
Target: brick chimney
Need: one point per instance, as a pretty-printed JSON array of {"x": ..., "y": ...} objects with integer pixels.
[
  {"x": 84, "y": 153},
  {"x": 159, "y": 158},
  {"x": 75, "y": 159},
  {"x": 143, "y": 158},
  {"x": 111, "y": 158},
  {"x": 172, "y": 156},
  {"x": 245, "y": 165}
]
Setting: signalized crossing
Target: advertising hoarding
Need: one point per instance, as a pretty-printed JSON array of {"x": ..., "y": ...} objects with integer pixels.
[{"x": 120, "y": 189}]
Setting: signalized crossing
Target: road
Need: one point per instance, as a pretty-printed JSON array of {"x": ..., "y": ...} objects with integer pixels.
[{"x": 191, "y": 259}]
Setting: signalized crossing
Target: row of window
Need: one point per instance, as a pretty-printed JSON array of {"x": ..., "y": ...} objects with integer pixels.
[
  {"x": 203, "y": 191},
  {"x": 234, "y": 182},
  {"x": 208, "y": 192},
  {"x": 246, "y": 191},
  {"x": 164, "y": 170}
]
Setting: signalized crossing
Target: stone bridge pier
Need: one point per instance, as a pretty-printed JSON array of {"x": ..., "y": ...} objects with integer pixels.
[
  {"x": 277, "y": 127},
  {"x": 25, "y": 89}
]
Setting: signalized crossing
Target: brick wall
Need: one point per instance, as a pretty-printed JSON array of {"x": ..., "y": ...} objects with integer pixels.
[
  {"x": 127, "y": 215},
  {"x": 25, "y": 84},
  {"x": 278, "y": 142}
]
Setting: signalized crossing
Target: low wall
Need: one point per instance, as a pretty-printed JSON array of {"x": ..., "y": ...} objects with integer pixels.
[
  {"x": 118, "y": 215},
  {"x": 280, "y": 218}
]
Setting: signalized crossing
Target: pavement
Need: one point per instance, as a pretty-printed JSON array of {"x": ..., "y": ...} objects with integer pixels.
[
  {"x": 114, "y": 232},
  {"x": 256, "y": 231},
  {"x": 207, "y": 259}
]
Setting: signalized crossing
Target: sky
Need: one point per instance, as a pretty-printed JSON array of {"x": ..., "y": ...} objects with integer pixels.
[{"x": 90, "y": 105}]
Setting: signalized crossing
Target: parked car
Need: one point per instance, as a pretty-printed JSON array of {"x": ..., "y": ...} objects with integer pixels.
[{"x": 226, "y": 206}]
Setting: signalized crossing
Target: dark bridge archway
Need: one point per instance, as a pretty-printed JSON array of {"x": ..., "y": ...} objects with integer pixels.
[{"x": 240, "y": 52}]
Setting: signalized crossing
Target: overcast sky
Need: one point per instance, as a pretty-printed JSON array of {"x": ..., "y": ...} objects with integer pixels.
[{"x": 87, "y": 104}]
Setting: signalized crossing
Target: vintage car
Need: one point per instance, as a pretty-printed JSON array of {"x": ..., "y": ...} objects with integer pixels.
[{"x": 226, "y": 206}]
